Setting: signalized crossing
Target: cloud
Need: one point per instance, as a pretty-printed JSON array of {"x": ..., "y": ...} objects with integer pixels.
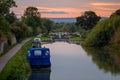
[
  {"x": 54, "y": 12},
  {"x": 104, "y": 4},
  {"x": 105, "y": 9}
]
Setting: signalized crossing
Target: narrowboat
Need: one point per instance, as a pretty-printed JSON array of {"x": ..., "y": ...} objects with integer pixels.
[{"x": 38, "y": 56}]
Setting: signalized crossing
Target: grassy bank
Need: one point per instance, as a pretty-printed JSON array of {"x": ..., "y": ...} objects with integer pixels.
[
  {"x": 45, "y": 38},
  {"x": 76, "y": 38},
  {"x": 10, "y": 47},
  {"x": 106, "y": 32},
  {"x": 17, "y": 67}
]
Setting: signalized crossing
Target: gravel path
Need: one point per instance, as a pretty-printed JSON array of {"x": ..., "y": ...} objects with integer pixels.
[{"x": 4, "y": 59}]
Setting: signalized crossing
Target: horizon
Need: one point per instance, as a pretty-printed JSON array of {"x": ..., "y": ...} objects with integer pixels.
[{"x": 67, "y": 9}]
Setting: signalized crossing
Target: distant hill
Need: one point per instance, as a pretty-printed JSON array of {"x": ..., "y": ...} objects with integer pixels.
[
  {"x": 103, "y": 18},
  {"x": 65, "y": 20}
]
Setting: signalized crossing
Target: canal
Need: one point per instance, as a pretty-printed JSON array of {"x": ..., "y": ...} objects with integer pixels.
[{"x": 72, "y": 62}]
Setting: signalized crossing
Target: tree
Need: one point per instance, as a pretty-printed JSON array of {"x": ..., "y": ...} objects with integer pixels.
[
  {"x": 11, "y": 18},
  {"x": 21, "y": 30},
  {"x": 73, "y": 29},
  {"x": 69, "y": 27},
  {"x": 32, "y": 18},
  {"x": 4, "y": 25},
  {"x": 31, "y": 11},
  {"x": 88, "y": 20},
  {"x": 5, "y": 6},
  {"x": 101, "y": 35},
  {"x": 5, "y": 29},
  {"x": 47, "y": 24}
]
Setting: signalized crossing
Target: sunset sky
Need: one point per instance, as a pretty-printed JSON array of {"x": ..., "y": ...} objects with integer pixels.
[{"x": 68, "y": 8}]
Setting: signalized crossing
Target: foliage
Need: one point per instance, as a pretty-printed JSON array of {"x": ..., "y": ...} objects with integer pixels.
[
  {"x": 9, "y": 38},
  {"x": 21, "y": 31},
  {"x": 102, "y": 33},
  {"x": 69, "y": 27},
  {"x": 106, "y": 60},
  {"x": 76, "y": 38},
  {"x": 64, "y": 27},
  {"x": 17, "y": 68},
  {"x": 84, "y": 33},
  {"x": 115, "y": 40},
  {"x": 5, "y": 6},
  {"x": 11, "y": 17},
  {"x": 38, "y": 30},
  {"x": 45, "y": 38},
  {"x": 32, "y": 18},
  {"x": 31, "y": 11},
  {"x": 88, "y": 20},
  {"x": 5, "y": 29},
  {"x": 47, "y": 25},
  {"x": 72, "y": 28},
  {"x": 57, "y": 27},
  {"x": 4, "y": 25}
]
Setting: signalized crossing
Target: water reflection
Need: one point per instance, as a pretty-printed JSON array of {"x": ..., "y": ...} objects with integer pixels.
[
  {"x": 72, "y": 62},
  {"x": 40, "y": 75},
  {"x": 105, "y": 59}
]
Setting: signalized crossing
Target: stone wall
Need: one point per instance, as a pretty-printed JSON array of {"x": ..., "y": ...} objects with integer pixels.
[
  {"x": 4, "y": 42},
  {"x": 13, "y": 39}
]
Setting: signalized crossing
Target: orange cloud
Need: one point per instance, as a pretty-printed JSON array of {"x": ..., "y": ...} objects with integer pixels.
[
  {"x": 104, "y": 4},
  {"x": 47, "y": 12},
  {"x": 104, "y": 9},
  {"x": 72, "y": 12},
  {"x": 101, "y": 9}
]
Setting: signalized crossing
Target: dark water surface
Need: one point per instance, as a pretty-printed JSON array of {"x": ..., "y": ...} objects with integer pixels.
[{"x": 72, "y": 62}]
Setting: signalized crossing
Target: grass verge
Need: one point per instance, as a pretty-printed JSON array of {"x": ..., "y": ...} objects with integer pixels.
[
  {"x": 17, "y": 67},
  {"x": 76, "y": 38},
  {"x": 45, "y": 38}
]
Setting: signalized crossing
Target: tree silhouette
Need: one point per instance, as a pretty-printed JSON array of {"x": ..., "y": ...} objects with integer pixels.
[{"x": 88, "y": 20}]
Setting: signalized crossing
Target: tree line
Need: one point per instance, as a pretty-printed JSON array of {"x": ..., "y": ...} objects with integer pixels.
[
  {"x": 100, "y": 33},
  {"x": 31, "y": 22}
]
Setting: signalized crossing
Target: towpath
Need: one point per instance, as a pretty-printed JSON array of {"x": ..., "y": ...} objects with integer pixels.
[{"x": 5, "y": 58}]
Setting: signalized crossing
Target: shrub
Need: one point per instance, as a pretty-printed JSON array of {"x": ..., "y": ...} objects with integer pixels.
[
  {"x": 115, "y": 41},
  {"x": 116, "y": 38},
  {"x": 4, "y": 25},
  {"x": 21, "y": 31},
  {"x": 102, "y": 33}
]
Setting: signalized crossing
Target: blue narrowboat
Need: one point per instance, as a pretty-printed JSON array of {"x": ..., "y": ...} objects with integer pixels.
[{"x": 38, "y": 56}]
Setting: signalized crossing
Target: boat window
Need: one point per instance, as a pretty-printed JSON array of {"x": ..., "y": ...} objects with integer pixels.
[{"x": 37, "y": 53}]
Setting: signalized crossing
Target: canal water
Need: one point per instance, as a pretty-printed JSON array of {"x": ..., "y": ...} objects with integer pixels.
[{"x": 72, "y": 62}]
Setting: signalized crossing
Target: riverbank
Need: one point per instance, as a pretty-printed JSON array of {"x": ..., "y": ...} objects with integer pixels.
[{"x": 17, "y": 67}]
